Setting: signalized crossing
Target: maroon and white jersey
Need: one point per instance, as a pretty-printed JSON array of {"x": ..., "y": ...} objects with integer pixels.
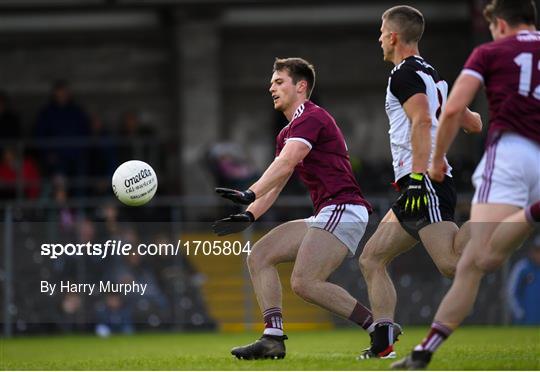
[
  {"x": 326, "y": 170},
  {"x": 510, "y": 71}
]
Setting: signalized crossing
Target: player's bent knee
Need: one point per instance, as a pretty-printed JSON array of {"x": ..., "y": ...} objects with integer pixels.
[
  {"x": 489, "y": 263},
  {"x": 257, "y": 259},
  {"x": 252, "y": 261},
  {"x": 363, "y": 262},
  {"x": 369, "y": 262},
  {"x": 302, "y": 287}
]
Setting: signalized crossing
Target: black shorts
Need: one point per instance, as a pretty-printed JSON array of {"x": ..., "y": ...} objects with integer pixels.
[{"x": 441, "y": 205}]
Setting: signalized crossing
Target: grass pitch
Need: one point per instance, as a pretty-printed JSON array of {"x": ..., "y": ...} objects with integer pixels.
[{"x": 476, "y": 348}]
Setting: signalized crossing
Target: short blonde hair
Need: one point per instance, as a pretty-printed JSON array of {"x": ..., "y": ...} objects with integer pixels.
[{"x": 408, "y": 20}]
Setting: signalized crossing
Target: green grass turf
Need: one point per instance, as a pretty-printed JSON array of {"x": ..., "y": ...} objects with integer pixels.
[{"x": 478, "y": 348}]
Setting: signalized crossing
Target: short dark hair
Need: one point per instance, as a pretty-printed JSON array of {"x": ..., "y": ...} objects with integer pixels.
[
  {"x": 514, "y": 12},
  {"x": 408, "y": 20},
  {"x": 299, "y": 69}
]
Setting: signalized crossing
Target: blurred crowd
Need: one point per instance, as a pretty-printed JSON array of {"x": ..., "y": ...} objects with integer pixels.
[
  {"x": 172, "y": 299},
  {"x": 65, "y": 142}
]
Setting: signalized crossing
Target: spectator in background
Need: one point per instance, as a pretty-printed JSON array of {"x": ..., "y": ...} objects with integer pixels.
[
  {"x": 101, "y": 155},
  {"x": 10, "y": 123},
  {"x": 153, "y": 306},
  {"x": 114, "y": 315},
  {"x": 65, "y": 220},
  {"x": 524, "y": 287},
  {"x": 65, "y": 215},
  {"x": 137, "y": 269},
  {"x": 63, "y": 119},
  {"x": 11, "y": 169}
]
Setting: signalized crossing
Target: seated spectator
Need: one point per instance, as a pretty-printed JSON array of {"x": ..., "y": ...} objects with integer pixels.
[
  {"x": 133, "y": 268},
  {"x": 113, "y": 316},
  {"x": 71, "y": 313},
  {"x": 136, "y": 270}
]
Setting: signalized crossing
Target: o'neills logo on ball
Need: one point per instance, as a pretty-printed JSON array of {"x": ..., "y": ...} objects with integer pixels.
[{"x": 136, "y": 179}]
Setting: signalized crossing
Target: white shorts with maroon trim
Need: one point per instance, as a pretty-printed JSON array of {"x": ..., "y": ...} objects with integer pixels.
[
  {"x": 509, "y": 172},
  {"x": 347, "y": 222}
]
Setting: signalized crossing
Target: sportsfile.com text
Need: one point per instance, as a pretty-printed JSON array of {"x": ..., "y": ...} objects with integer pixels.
[{"x": 120, "y": 248}]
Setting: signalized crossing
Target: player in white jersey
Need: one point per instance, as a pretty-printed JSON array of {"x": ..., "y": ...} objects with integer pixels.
[{"x": 425, "y": 209}]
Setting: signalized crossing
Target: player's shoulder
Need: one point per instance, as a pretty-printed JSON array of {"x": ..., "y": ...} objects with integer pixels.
[
  {"x": 412, "y": 65},
  {"x": 511, "y": 42},
  {"x": 405, "y": 66},
  {"x": 311, "y": 112},
  {"x": 490, "y": 47},
  {"x": 413, "y": 71}
]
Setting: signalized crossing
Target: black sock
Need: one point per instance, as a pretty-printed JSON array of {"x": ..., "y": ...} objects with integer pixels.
[
  {"x": 423, "y": 355},
  {"x": 382, "y": 336}
]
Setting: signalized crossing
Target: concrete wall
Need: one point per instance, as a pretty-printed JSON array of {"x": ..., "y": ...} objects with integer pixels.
[{"x": 109, "y": 72}]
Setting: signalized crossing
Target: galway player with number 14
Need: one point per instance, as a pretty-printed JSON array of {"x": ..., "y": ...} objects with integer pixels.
[{"x": 506, "y": 204}]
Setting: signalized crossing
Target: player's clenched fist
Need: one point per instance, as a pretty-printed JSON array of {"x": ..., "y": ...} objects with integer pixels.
[
  {"x": 239, "y": 197},
  {"x": 438, "y": 169},
  {"x": 414, "y": 199}
]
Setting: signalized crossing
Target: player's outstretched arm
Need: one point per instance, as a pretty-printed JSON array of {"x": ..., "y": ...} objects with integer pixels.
[
  {"x": 261, "y": 205},
  {"x": 281, "y": 168},
  {"x": 276, "y": 175},
  {"x": 239, "y": 222},
  {"x": 233, "y": 224},
  {"x": 237, "y": 196}
]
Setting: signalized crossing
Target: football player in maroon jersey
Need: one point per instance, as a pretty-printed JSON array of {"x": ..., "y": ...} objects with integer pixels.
[
  {"x": 506, "y": 204},
  {"x": 312, "y": 145}
]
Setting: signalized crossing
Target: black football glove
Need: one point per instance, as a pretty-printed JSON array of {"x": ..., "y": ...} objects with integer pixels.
[
  {"x": 414, "y": 199},
  {"x": 233, "y": 224},
  {"x": 239, "y": 197}
]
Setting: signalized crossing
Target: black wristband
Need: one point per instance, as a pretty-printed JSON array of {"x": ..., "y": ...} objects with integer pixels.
[{"x": 250, "y": 215}]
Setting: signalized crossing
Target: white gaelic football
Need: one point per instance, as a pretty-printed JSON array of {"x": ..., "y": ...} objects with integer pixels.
[{"x": 134, "y": 183}]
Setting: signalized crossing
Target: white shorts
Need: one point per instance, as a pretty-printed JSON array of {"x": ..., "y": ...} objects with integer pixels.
[
  {"x": 509, "y": 172},
  {"x": 347, "y": 222}
]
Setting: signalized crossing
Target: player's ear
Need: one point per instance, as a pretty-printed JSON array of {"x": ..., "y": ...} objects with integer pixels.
[
  {"x": 301, "y": 87},
  {"x": 501, "y": 25},
  {"x": 393, "y": 38}
]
